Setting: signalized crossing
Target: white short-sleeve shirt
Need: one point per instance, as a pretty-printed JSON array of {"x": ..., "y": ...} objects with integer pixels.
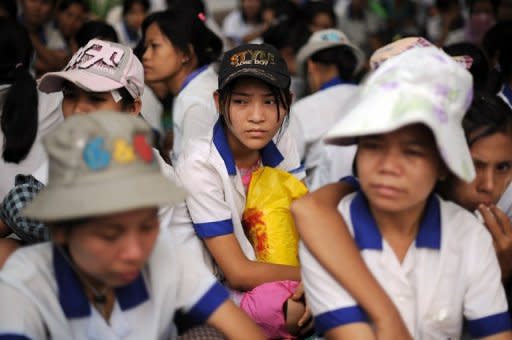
[
  {"x": 194, "y": 111},
  {"x": 216, "y": 199},
  {"x": 448, "y": 274},
  {"x": 234, "y": 27},
  {"x": 42, "y": 297}
]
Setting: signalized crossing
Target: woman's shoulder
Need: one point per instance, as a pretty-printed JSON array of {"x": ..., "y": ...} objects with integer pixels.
[{"x": 27, "y": 264}]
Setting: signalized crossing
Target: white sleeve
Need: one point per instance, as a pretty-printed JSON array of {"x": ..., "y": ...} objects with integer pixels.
[
  {"x": 485, "y": 304},
  {"x": 288, "y": 148},
  {"x": 199, "y": 293},
  {"x": 330, "y": 304},
  {"x": 198, "y": 121},
  {"x": 230, "y": 28},
  {"x": 210, "y": 213},
  {"x": 20, "y": 318}
]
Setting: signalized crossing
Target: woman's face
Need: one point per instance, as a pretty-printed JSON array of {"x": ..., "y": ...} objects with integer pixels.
[
  {"x": 398, "y": 170},
  {"x": 36, "y": 12},
  {"x": 492, "y": 158},
  {"x": 251, "y": 8},
  {"x": 79, "y": 101},
  {"x": 112, "y": 249},
  {"x": 252, "y": 119},
  {"x": 71, "y": 19},
  {"x": 135, "y": 16},
  {"x": 161, "y": 60}
]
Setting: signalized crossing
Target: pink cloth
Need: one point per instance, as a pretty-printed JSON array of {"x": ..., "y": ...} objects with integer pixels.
[{"x": 264, "y": 304}]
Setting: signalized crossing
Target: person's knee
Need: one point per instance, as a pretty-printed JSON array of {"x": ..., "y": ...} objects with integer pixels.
[{"x": 7, "y": 247}]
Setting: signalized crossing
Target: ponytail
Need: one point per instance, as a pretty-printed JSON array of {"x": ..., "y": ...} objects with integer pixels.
[
  {"x": 19, "y": 112},
  {"x": 19, "y": 116}
]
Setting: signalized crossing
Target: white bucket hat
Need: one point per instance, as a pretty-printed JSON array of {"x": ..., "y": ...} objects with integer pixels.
[
  {"x": 421, "y": 85},
  {"x": 101, "y": 163},
  {"x": 99, "y": 66},
  {"x": 324, "y": 39}
]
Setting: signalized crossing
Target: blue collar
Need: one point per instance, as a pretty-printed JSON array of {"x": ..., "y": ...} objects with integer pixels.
[
  {"x": 270, "y": 154},
  {"x": 192, "y": 75},
  {"x": 132, "y": 35},
  {"x": 507, "y": 92},
  {"x": 333, "y": 82},
  {"x": 367, "y": 234},
  {"x": 72, "y": 296}
]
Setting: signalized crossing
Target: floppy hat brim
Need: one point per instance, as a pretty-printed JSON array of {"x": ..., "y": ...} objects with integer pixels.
[
  {"x": 364, "y": 121},
  {"x": 52, "y": 82},
  {"x": 64, "y": 202},
  {"x": 309, "y": 49}
]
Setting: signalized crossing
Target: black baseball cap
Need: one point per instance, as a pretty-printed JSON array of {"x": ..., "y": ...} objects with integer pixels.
[{"x": 260, "y": 61}]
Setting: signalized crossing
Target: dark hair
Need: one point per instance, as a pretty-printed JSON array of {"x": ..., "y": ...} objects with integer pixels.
[
  {"x": 480, "y": 67},
  {"x": 496, "y": 43},
  {"x": 10, "y": 7},
  {"x": 259, "y": 17},
  {"x": 197, "y": 6},
  {"x": 282, "y": 97},
  {"x": 128, "y": 4},
  {"x": 19, "y": 113},
  {"x": 186, "y": 30},
  {"x": 487, "y": 115},
  {"x": 95, "y": 29},
  {"x": 64, "y": 5},
  {"x": 341, "y": 56},
  {"x": 313, "y": 8},
  {"x": 494, "y": 5}
]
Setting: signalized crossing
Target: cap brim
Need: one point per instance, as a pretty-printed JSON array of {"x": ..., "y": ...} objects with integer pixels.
[
  {"x": 363, "y": 120},
  {"x": 280, "y": 81},
  {"x": 56, "y": 203},
  {"x": 53, "y": 81}
]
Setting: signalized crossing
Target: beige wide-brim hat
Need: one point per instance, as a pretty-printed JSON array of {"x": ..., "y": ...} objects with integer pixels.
[
  {"x": 422, "y": 85},
  {"x": 324, "y": 39},
  {"x": 101, "y": 163}
]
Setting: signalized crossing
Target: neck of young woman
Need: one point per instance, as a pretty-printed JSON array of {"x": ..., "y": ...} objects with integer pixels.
[
  {"x": 399, "y": 229},
  {"x": 243, "y": 156},
  {"x": 176, "y": 82}
]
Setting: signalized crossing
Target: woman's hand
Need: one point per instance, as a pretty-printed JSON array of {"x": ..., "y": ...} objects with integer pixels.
[
  {"x": 498, "y": 224},
  {"x": 305, "y": 322}
]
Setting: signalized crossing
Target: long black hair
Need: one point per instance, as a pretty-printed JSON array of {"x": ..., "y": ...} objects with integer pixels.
[
  {"x": 186, "y": 29},
  {"x": 19, "y": 112}
]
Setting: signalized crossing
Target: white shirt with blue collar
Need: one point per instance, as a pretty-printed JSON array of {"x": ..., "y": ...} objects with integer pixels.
[
  {"x": 449, "y": 274},
  {"x": 216, "y": 199},
  {"x": 42, "y": 298}
]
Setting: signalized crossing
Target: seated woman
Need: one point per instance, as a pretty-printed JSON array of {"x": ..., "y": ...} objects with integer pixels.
[
  {"x": 107, "y": 273},
  {"x": 409, "y": 237}
]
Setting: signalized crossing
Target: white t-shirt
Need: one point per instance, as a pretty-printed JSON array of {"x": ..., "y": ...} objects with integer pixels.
[
  {"x": 42, "y": 297},
  {"x": 50, "y": 115},
  {"x": 235, "y": 28},
  {"x": 448, "y": 274},
  {"x": 312, "y": 116},
  {"x": 335, "y": 163},
  {"x": 194, "y": 112}
]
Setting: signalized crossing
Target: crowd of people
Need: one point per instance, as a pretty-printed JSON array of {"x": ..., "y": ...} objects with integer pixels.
[{"x": 156, "y": 160}]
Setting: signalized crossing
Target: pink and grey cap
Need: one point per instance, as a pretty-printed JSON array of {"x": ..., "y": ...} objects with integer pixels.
[
  {"x": 420, "y": 85},
  {"x": 99, "y": 66}
]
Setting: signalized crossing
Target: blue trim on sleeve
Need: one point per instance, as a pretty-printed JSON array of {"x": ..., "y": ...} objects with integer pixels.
[
  {"x": 297, "y": 170},
  {"x": 353, "y": 181},
  {"x": 212, "y": 229},
  {"x": 339, "y": 317},
  {"x": 10, "y": 336},
  {"x": 490, "y": 325},
  {"x": 208, "y": 303}
]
